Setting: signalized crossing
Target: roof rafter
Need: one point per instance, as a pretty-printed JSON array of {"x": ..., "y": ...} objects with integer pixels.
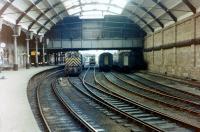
[
  {"x": 29, "y": 16},
  {"x": 163, "y": 14},
  {"x": 190, "y": 6},
  {"x": 150, "y": 13},
  {"x": 54, "y": 9},
  {"x": 3, "y": 9},
  {"x": 166, "y": 10},
  {"x": 47, "y": 10},
  {"x": 49, "y": 20},
  {"x": 28, "y": 10}
]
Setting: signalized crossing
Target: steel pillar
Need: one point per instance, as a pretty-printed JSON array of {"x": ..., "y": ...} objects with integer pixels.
[
  {"x": 36, "y": 52},
  {"x": 27, "y": 54},
  {"x": 15, "y": 67}
]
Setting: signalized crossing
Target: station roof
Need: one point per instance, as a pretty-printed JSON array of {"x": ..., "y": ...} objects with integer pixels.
[{"x": 151, "y": 15}]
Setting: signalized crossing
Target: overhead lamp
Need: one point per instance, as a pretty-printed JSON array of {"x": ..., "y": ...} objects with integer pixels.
[
  {"x": 41, "y": 38},
  {"x": 31, "y": 34},
  {"x": 3, "y": 45},
  {"x": 17, "y": 30}
]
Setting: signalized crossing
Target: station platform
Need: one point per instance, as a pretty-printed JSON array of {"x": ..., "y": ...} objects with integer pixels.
[{"x": 15, "y": 112}]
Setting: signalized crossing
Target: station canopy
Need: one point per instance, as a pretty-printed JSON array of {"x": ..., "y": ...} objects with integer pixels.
[{"x": 151, "y": 15}]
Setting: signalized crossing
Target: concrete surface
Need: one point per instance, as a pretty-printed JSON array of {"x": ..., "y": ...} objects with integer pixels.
[{"x": 15, "y": 111}]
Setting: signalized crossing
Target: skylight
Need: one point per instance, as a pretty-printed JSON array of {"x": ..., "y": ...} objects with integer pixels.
[
  {"x": 92, "y": 9},
  {"x": 70, "y": 3}
]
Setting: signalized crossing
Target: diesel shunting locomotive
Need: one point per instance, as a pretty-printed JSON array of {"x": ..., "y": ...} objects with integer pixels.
[{"x": 73, "y": 63}]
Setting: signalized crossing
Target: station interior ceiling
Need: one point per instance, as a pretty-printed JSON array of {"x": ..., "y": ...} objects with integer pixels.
[{"x": 40, "y": 16}]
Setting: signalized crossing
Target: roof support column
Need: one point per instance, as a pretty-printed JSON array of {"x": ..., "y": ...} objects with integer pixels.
[
  {"x": 62, "y": 58},
  {"x": 15, "y": 67},
  {"x": 29, "y": 36},
  {"x": 36, "y": 52},
  {"x": 17, "y": 32},
  {"x": 45, "y": 41},
  {"x": 59, "y": 59},
  {"x": 55, "y": 59},
  {"x": 43, "y": 54},
  {"x": 27, "y": 54}
]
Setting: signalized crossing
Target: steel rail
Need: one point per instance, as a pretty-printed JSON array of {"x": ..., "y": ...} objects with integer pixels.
[
  {"x": 176, "y": 79},
  {"x": 178, "y": 90},
  {"x": 39, "y": 104},
  {"x": 194, "y": 105},
  {"x": 149, "y": 126},
  {"x": 70, "y": 109},
  {"x": 197, "y": 129}
]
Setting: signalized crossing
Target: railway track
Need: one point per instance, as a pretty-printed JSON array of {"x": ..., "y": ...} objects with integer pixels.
[
  {"x": 172, "y": 83},
  {"x": 56, "y": 113},
  {"x": 75, "y": 111},
  {"x": 179, "y": 80},
  {"x": 31, "y": 93},
  {"x": 126, "y": 83},
  {"x": 103, "y": 107},
  {"x": 138, "y": 113},
  {"x": 185, "y": 96}
]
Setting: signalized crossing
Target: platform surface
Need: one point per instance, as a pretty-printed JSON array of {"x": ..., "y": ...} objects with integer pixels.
[{"x": 15, "y": 112}]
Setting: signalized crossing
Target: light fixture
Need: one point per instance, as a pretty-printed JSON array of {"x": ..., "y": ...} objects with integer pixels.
[
  {"x": 3, "y": 45},
  {"x": 41, "y": 38},
  {"x": 17, "y": 30},
  {"x": 31, "y": 34}
]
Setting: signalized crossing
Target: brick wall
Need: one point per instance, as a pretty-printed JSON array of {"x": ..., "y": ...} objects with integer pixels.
[{"x": 177, "y": 61}]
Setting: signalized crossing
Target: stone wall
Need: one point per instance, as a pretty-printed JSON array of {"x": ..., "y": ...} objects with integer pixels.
[{"x": 181, "y": 61}]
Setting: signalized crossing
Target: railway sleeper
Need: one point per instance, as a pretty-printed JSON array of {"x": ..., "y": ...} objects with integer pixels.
[
  {"x": 128, "y": 110},
  {"x": 123, "y": 105},
  {"x": 135, "y": 112},
  {"x": 158, "y": 122},
  {"x": 142, "y": 115},
  {"x": 115, "y": 117},
  {"x": 149, "y": 118},
  {"x": 173, "y": 127},
  {"x": 118, "y": 103},
  {"x": 128, "y": 107}
]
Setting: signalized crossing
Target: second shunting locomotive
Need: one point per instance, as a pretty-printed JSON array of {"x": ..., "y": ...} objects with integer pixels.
[{"x": 73, "y": 63}]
